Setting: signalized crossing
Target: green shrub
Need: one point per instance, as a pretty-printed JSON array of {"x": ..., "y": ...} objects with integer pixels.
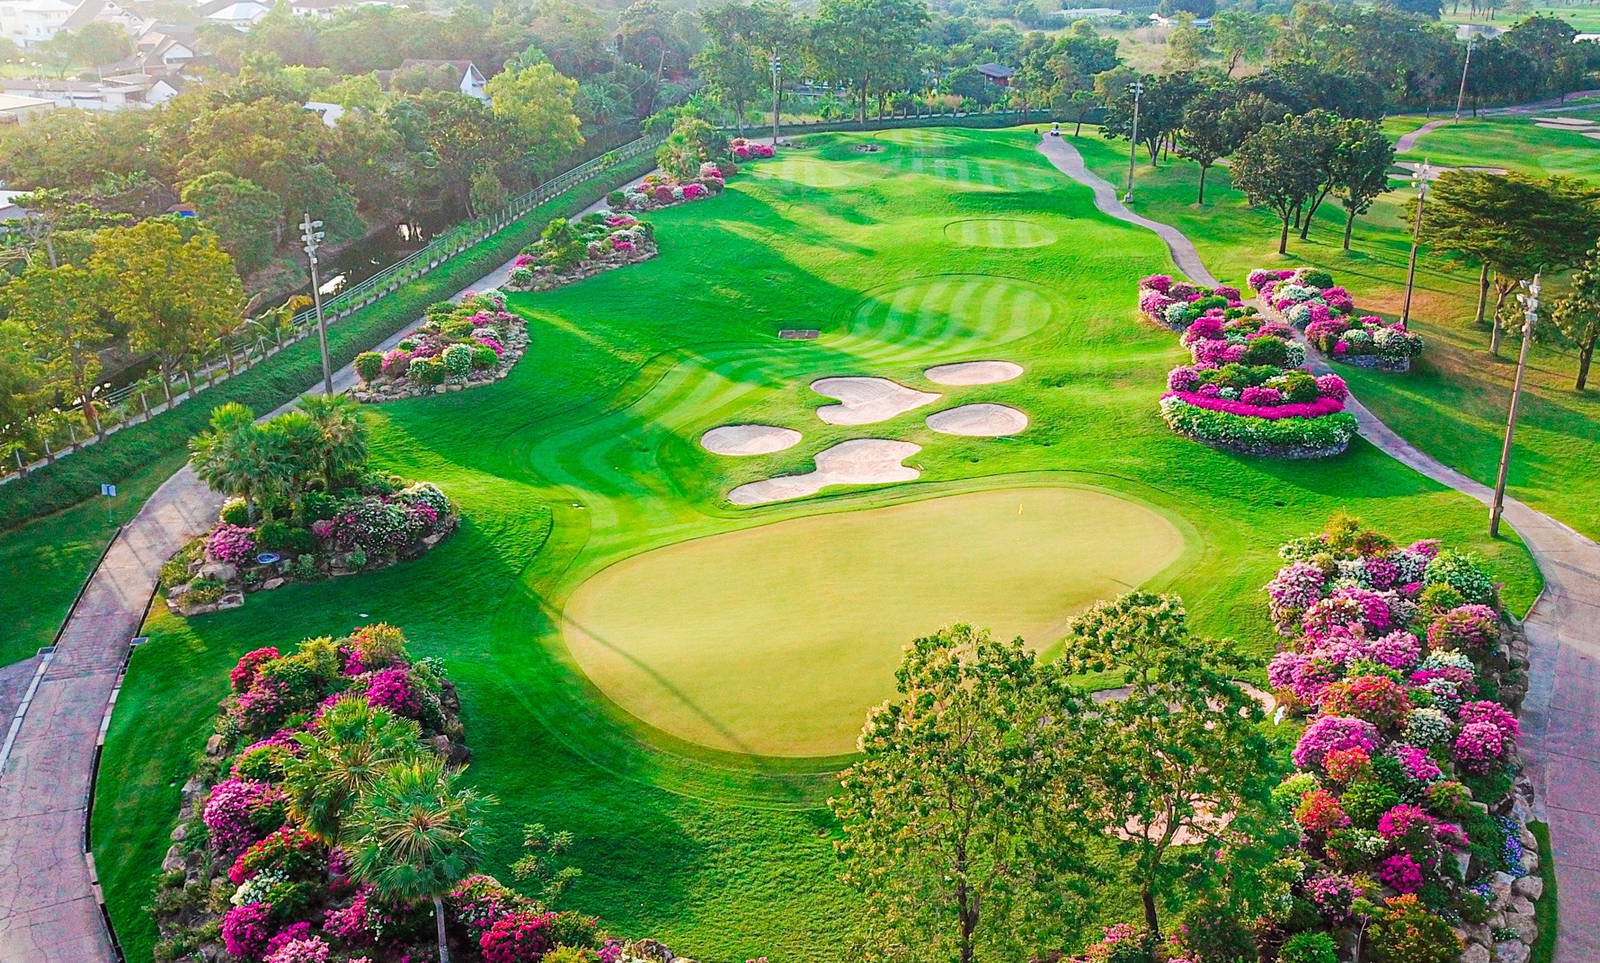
[
  {"x": 521, "y": 276},
  {"x": 1464, "y": 572},
  {"x": 1308, "y": 948},
  {"x": 235, "y": 512},
  {"x": 1439, "y": 597},
  {"x": 428, "y": 371},
  {"x": 1364, "y": 801},
  {"x": 1267, "y": 350},
  {"x": 357, "y": 558},
  {"x": 457, "y": 360},
  {"x": 617, "y": 199},
  {"x": 483, "y": 357},
  {"x": 369, "y": 364},
  {"x": 457, "y": 330},
  {"x": 1407, "y": 933},
  {"x": 203, "y": 591},
  {"x": 304, "y": 568},
  {"x": 175, "y": 570},
  {"x": 1316, "y": 278}
]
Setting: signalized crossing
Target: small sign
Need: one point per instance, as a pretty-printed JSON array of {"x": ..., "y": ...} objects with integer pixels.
[{"x": 110, "y": 491}]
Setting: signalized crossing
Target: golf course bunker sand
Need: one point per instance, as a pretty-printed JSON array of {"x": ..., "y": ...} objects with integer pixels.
[
  {"x": 863, "y": 401},
  {"x": 973, "y": 372},
  {"x": 776, "y": 640},
  {"x": 978, "y": 421},
  {"x": 749, "y": 439},
  {"x": 859, "y": 461}
]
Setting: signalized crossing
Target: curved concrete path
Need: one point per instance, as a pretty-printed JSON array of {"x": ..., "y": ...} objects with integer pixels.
[
  {"x": 1409, "y": 139},
  {"x": 1561, "y": 716}
]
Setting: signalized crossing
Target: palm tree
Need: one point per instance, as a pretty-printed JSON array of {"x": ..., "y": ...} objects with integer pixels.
[
  {"x": 344, "y": 434},
  {"x": 341, "y": 756},
  {"x": 296, "y": 447},
  {"x": 415, "y": 834},
  {"x": 224, "y": 456}
]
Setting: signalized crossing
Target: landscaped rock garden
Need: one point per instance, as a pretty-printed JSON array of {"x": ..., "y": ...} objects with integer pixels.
[
  {"x": 1408, "y": 796},
  {"x": 285, "y": 847},
  {"x": 459, "y": 345},
  {"x": 1308, "y": 299},
  {"x": 569, "y": 251},
  {"x": 1246, "y": 391},
  {"x": 305, "y": 507}
]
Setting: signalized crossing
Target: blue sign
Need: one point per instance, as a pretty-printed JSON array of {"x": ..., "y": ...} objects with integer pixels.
[{"x": 110, "y": 491}]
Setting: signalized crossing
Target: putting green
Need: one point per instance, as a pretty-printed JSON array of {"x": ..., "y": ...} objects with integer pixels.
[
  {"x": 776, "y": 640},
  {"x": 1000, "y": 232}
]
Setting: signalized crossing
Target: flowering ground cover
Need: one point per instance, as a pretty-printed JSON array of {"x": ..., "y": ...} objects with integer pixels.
[
  {"x": 592, "y": 457},
  {"x": 1453, "y": 402}
]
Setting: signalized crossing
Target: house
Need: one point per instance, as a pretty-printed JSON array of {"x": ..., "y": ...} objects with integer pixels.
[
  {"x": 28, "y": 23},
  {"x": 106, "y": 11},
  {"x": 238, "y": 14},
  {"x": 330, "y": 113},
  {"x": 325, "y": 9},
  {"x": 158, "y": 87},
  {"x": 1199, "y": 23},
  {"x": 465, "y": 77},
  {"x": 164, "y": 45},
  {"x": 997, "y": 74},
  {"x": 82, "y": 94},
  {"x": 19, "y": 109},
  {"x": 9, "y": 209}
]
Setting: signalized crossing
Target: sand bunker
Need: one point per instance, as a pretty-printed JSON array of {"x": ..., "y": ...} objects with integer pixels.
[
  {"x": 860, "y": 461},
  {"x": 863, "y": 401},
  {"x": 748, "y": 439},
  {"x": 973, "y": 372},
  {"x": 982, "y": 421}
]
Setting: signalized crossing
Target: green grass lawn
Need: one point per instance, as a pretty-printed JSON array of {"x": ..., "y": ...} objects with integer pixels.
[
  {"x": 1453, "y": 403},
  {"x": 587, "y": 456},
  {"x": 1514, "y": 142},
  {"x": 1585, "y": 18}
]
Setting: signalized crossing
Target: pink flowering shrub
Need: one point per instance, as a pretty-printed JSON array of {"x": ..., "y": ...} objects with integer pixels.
[
  {"x": 518, "y": 938},
  {"x": 233, "y": 544},
  {"x": 241, "y": 811},
  {"x": 1328, "y": 733},
  {"x": 1401, "y": 873},
  {"x": 1474, "y": 629},
  {"x": 243, "y": 673},
  {"x": 309, "y": 949},
  {"x": 391, "y": 689},
  {"x": 246, "y": 929},
  {"x": 1319, "y": 812}
]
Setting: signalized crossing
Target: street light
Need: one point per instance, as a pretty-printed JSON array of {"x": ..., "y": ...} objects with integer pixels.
[
  {"x": 1461, "y": 96},
  {"x": 1419, "y": 177},
  {"x": 1530, "y": 317},
  {"x": 310, "y": 233},
  {"x": 777, "y": 67},
  {"x": 1137, "y": 89}
]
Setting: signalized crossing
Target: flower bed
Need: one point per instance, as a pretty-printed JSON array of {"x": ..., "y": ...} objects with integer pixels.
[
  {"x": 373, "y": 525},
  {"x": 742, "y": 149},
  {"x": 1175, "y": 304},
  {"x": 1308, "y": 299},
  {"x": 1366, "y": 342},
  {"x": 1246, "y": 391},
  {"x": 265, "y": 864},
  {"x": 569, "y": 251},
  {"x": 473, "y": 342},
  {"x": 1405, "y": 792}
]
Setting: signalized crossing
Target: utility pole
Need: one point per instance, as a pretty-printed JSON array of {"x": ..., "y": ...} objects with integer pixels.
[
  {"x": 1461, "y": 96},
  {"x": 777, "y": 67},
  {"x": 310, "y": 233},
  {"x": 1137, "y": 89},
  {"x": 1530, "y": 317},
  {"x": 1419, "y": 178}
]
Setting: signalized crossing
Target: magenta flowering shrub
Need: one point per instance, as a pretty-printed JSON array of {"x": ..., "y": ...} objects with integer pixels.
[
  {"x": 1401, "y": 873},
  {"x": 246, "y": 929},
  {"x": 241, "y": 811},
  {"x": 479, "y": 321},
  {"x": 233, "y": 544},
  {"x": 391, "y": 689},
  {"x": 308, "y": 949},
  {"x": 1473, "y": 629},
  {"x": 1329, "y": 733}
]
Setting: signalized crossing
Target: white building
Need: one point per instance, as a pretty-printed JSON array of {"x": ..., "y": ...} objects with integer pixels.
[
  {"x": 15, "y": 109},
  {"x": 238, "y": 14},
  {"x": 28, "y": 23},
  {"x": 82, "y": 94}
]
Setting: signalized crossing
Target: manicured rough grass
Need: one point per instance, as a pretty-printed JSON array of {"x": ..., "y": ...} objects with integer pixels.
[
  {"x": 1547, "y": 910},
  {"x": 728, "y": 856},
  {"x": 1514, "y": 143},
  {"x": 759, "y": 640},
  {"x": 1453, "y": 403}
]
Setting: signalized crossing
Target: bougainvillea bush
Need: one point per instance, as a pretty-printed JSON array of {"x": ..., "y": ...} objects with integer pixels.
[
  {"x": 660, "y": 190},
  {"x": 1395, "y": 655},
  {"x": 282, "y": 891},
  {"x": 1242, "y": 335},
  {"x": 458, "y": 342},
  {"x": 742, "y": 149},
  {"x": 1176, "y": 304},
  {"x": 1367, "y": 341}
]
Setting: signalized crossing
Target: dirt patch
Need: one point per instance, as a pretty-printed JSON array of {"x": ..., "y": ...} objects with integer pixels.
[
  {"x": 979, "y": 421},
  {"x": 863, "y": 401},
  {"x": 973, "y": 372},
  {"x": 860, "y": 461},
  {"x": 748, "y": 439}
]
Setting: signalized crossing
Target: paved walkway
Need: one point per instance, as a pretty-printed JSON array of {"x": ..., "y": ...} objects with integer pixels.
[{"x": 1561, "y": 716}]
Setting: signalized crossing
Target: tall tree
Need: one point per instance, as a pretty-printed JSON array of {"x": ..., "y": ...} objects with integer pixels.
[
  {"x": 227, "y": 456},
  {"x": 1207, "y": 133},
  {"x": 1241, "y": 36},
  {"x": 176, "y": 294},
  {"x": 415, "y": 834},
  {"x": 1274, "y": 171},
  {"x": 859, "y": 42},
  {"x": 344, "y": 436},
  {"x": 957, "y": 820},
  {"x": 247, "y": 219},
  {"x": 538, "y": 102},
  {"x": 1179, "y": 753},
  {"x": 1577, "y": 313},
  {"x": 61, "y": 311},
  {"x": 1359, "y": 171}
]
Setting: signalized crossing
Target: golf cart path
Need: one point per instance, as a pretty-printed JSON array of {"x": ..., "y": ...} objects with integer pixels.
[
  {"x": 1561, "y": 716},
  {"x": 1409, "y": 139}
]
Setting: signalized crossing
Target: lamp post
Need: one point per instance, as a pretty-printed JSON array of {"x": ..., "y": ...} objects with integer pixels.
[
  {"x": 1530, "y": 317},
  {"x": 777, "y": 67},
  {"x": 1461, "y": 95},
  {"x": 1420, "y": 179},
  {"x": 1137, "y": 89},
  {"x": 310, "y": 233}
]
